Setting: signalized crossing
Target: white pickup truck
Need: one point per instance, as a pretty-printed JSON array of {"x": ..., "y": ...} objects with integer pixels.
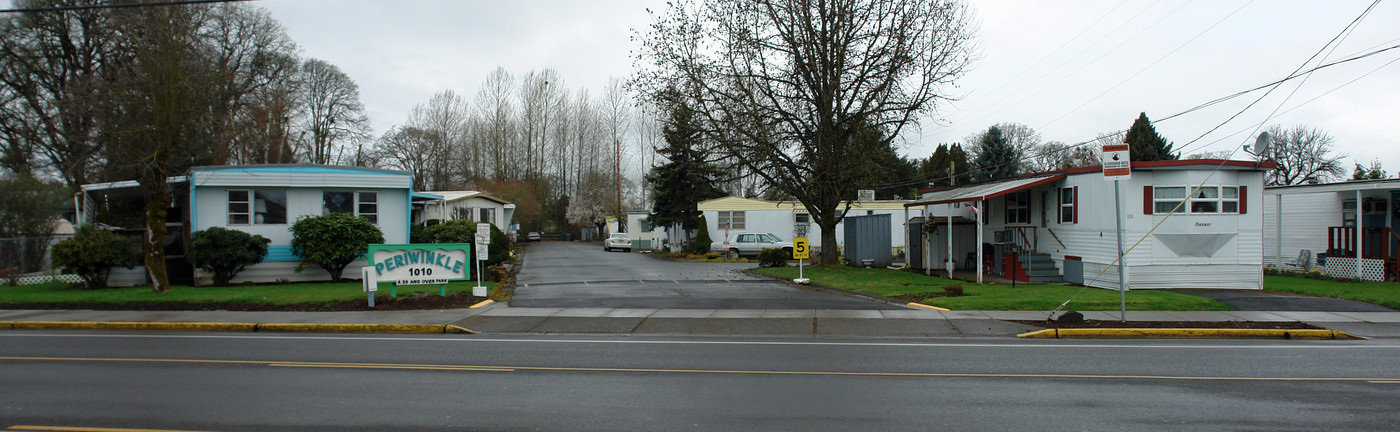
[{"x": 742, "y": 243}]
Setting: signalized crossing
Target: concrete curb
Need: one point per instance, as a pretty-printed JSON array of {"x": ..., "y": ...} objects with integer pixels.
[
  {"x": 239, "y": 327},
  {"x": 1185, "y": 333},
  {"x": 929, "y": 307}
]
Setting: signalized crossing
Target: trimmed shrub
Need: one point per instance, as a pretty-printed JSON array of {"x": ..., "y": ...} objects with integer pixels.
[
  {"x": 333, "y": 241},
  {"x": 91, "y": 253},
  {"x": 773, "y": 258},
  {"x": 225, "y": 252},
  {"x": 702, "y": 241},
  {"x": 464, "y": 231}
]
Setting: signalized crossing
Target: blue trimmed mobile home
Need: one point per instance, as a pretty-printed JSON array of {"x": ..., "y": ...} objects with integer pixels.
[{"x": 258, "y": 199}]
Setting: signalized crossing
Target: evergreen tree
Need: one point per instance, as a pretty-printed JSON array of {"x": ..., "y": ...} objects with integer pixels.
[
  {"x": 936, "y": 168},
  {"x": 687, "y": 178},
  {"x": 1375, "y": 172},
  {"x": 996, "y": 158},
  {"x": 1144, "y": 144}
]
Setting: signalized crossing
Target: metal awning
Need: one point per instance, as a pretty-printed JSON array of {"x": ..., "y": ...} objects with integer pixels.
[{"x": 985, "y": 191}]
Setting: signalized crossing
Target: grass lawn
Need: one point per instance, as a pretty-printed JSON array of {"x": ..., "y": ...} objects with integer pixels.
[
  {"x": 1384, "y": 294},
  {"x": 277, "y": 295},
  {"x": 886, "y": 282}
]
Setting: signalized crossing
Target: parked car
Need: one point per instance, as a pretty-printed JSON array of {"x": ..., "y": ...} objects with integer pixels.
[
  {"x": 750, "y": 244},
  {"x": 532, "y": 237},
  {"x": 618, "y": 241}
]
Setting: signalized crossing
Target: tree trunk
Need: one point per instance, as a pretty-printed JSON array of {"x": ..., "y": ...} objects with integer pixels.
[
  {"x": 830, "y": 253},
  {"x": 157, "y": 204}
]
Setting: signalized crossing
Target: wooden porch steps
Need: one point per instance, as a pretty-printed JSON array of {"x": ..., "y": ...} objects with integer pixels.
[{"x": 1040, "y": 267}]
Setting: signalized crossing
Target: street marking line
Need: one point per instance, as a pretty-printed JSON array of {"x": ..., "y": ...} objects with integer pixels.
[
  {"x": 1384, "y": 382},
  {"x": 86, "y": 429},
  {"x": 409, "y": 367},
  {"x": 499, "y": 368}
]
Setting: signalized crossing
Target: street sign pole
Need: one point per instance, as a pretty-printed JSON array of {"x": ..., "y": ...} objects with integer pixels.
[
  {"x": 1117, "y": 165},
  {"x": 483, "y": 243}
]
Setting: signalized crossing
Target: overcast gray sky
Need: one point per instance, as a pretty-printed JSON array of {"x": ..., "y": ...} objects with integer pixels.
[{"x": 1069, "y": 69}]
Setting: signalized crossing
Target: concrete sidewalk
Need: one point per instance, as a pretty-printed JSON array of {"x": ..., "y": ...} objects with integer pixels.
[{"x": 500, "y": 318}]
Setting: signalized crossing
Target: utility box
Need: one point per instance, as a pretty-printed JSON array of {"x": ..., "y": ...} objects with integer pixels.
[{"x": 868, "y": 238}]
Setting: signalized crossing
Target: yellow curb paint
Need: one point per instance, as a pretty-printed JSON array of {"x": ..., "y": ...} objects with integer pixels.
[
  {"x": 85, "y": 429},
  {"x": 482, "y": 303},
  {"x": 1040, "y": 334},
  {"x": 453, "y": 328},
  {"x": 1186, "y": 333},
  {"x": 928, "y": 307},
  {"x": 353, "y": 328},
  {"x": 120, "y": 325},
  {"x": 6, "y": 325}
]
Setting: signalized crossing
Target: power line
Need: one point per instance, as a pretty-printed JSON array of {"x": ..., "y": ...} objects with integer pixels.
[{"x": 116, "y": 6}]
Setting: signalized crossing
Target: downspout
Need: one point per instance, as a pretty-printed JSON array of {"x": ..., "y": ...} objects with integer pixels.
[{"x": 77, "y": 208}]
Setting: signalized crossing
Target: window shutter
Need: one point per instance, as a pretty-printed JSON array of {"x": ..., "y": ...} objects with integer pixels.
[
  {"x": 1147, "y": 200},
  {"x": 1244, "y": 198},
  {"x": 1075, "y": 205}
]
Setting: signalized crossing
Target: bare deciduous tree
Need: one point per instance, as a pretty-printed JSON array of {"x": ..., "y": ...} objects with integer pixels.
[
  {"x": 1304, "y": 156},
  {"x": 335, "y": 118},
  {"x": 783, "y": 85}
]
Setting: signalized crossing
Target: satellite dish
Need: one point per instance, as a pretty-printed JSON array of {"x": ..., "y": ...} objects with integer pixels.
[{"x": 1261, "y": 145}]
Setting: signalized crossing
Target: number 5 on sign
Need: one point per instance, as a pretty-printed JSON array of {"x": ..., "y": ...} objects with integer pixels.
[{"x": 800, "y": 249}]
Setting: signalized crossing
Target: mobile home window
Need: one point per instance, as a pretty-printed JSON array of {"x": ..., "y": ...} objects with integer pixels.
[
  {"x": 487, "y": 215},
  {"x": 239, "y": 207},
  {"x": 1215, "y": 199},
  {"x": 362, "y": 204},
  {"x": 1067, "y": 205},
  {"x": 259, "y": 207},
  {"x": 735, "y": 219},
  {"x": 1166, "y": 198},
  {"x": 1018, "y": 208}
]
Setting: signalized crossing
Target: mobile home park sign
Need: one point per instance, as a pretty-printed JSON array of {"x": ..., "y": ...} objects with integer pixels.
[{"x": 421, "y": 264}]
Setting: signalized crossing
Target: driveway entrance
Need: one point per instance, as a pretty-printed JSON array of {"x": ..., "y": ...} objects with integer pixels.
[{"x": 582, "y": 275}]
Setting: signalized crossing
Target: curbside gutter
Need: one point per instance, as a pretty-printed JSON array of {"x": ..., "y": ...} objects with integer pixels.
[
  {"x": 239, "y": 327},
  {"x": 1185, "y": 333}
]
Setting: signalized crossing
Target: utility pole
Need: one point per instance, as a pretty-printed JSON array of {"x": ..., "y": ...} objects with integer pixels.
[{"x": 617, "y": 164}]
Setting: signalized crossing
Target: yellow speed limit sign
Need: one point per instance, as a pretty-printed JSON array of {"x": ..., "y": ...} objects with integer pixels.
[{"x": 800, "y": 250}]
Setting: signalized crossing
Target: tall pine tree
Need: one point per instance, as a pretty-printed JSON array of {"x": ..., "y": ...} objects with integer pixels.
[
  {"x": 687, "y": 177},
  {"x": 1144, "y": 144},
  {"x": 996, "y": 158}
]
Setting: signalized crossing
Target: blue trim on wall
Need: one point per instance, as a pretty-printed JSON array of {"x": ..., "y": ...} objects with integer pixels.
[
  {"x": 306, "y": 170},
  {"x": 280, "y": 253}
]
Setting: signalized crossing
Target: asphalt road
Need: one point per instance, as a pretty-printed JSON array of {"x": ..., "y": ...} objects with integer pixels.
[
  {"x": 207, "y": 382},
  {"x": 582, "y": 275}
]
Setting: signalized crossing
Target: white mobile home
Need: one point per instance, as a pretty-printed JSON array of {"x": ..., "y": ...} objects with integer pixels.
[
  {"x": 464, "y": 205},
  {"x": 1315, "y": 226},
  {"x": 257, "y": 199},
  {"x": 785, "y": 218},
  {"x": 1185, "y": 224}
]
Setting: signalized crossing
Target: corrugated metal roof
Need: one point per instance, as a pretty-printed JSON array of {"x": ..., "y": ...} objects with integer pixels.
[{"x": 984, "y": 191}]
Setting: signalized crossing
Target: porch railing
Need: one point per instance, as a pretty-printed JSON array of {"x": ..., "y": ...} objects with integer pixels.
[{"x": 1376, "y": 243}]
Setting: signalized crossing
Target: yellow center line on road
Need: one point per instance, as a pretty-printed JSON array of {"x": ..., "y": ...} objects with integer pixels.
[
  {"x": 86, "y": 429},
  {"x": 501, "y": 368}
]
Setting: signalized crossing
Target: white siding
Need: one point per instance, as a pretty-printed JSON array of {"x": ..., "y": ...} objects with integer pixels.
[
  {"x": 1307, "y": 217},
  {"x": 211, "y": 210},
  {"x": 780, "y": 222},
  {"x": 1146, "y": 237}
]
